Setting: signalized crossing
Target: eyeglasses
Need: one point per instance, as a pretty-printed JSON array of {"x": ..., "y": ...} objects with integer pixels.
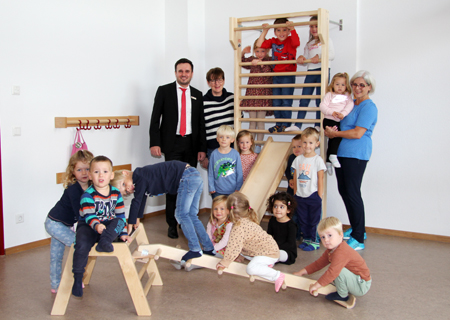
[
  {"x": 219, "y": 81},
  {"x": 361, "y": 85}
]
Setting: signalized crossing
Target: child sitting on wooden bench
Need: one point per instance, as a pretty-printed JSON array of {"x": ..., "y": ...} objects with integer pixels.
[
  {"x": 172, "y": 177},
  {"x": 102, "y": 218},
  {"x": 347, "y": 268}
]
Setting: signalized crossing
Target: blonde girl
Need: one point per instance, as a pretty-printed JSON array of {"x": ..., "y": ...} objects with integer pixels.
[
  {"x": 259, "y": 54},
  {"x": 336, "y": 105},
  {"x": 249, "y": 239},
  {"x": 245, "y": 147},
  {"x": 65, "y": 213},
  {"x": 313, "y": 51},
  {"x": 219, "y": 226}
]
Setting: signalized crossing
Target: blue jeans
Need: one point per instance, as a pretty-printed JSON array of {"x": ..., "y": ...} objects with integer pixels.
[
  {"x": 307, "y": 91},
  {"x": 186, "y": 212},
  {"x": 62, "y": 237},
  {"x": 283, "y": 102}
]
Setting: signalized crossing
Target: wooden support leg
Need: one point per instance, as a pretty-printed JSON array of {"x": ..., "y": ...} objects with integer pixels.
[
  {"x": 89, "y": 269},
  {"x": 65, "y": 288}
]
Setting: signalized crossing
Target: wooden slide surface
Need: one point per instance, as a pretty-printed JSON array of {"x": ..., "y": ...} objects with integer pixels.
[
  {"x": 266, "y": 174},
  {"x": 210, "y": 262}
]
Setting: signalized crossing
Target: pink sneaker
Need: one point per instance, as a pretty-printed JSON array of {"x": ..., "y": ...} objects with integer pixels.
[
  {"x": 279, "y": 282},
  {"x": 53, "y": 290}
]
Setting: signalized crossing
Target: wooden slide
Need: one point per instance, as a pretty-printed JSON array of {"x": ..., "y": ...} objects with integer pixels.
[
  {"x": 210, "y": 262},
  {"x": 266, "y": 174}
]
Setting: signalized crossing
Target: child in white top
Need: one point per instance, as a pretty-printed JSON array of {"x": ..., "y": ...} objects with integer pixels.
[
  {"x": 313, "y": 51},
  {"x": 308, "y": 171},
  {"x": 245, "y": 147},
  {"x": 336, "y": 105},
  {"x": 249, "y": 239}
]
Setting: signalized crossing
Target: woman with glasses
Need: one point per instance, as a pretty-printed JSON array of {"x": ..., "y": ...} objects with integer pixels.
[{"x": 354, "y": 152}]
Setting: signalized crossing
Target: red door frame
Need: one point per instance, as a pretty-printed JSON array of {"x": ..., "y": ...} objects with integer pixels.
[{"x": 2, "y": 240}]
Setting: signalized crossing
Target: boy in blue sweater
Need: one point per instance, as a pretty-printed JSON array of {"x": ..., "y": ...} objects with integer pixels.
[
  {"x": 225, "y": 174},
  {"x": 170, "y": 177}
]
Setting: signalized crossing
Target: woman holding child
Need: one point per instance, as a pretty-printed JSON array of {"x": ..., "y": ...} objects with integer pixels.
[{"x": 354, "y": 152}]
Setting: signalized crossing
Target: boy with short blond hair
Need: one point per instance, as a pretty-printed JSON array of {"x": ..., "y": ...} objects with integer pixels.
[
  {"x": 309, "y": 171},
  {"x": 284, "y": 47},
  {"x": 347, "y": 268},
  {"x": 102, "y": 218},
  {"x": 225, "y": 174}
]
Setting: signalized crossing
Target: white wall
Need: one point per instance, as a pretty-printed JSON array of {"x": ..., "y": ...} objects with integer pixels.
[{"x": 89, "y": 58}]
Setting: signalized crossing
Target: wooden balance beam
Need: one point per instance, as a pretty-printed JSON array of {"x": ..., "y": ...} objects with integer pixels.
[
  {"x": 236, "y": 268},
  {"x": 127, "y": 264}
]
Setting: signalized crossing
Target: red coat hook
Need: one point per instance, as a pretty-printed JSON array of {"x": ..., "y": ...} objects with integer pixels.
[
  {"x": 128, "y": 125},
  {"x": 109, "y": 126},
  {"x": 117, "y": 126},
  {"x": 81, "y": 128},
  {"x": 98, "y": 126},
  {"x": 87, "y": 126}
]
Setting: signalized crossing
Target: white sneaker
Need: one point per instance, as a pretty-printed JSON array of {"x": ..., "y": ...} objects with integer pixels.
[
  {"x": 329, "y": 168},
  {"x": 292, "y": 128},
  {"x": 334, "y": 161}
]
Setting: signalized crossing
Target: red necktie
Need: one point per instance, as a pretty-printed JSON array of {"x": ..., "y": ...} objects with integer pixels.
[{"x": 183, "y": 113}]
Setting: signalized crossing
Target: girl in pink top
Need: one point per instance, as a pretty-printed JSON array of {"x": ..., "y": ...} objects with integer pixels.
[
  {"x": 245, "y": 147},
  {"x": 336, "y": 105}
]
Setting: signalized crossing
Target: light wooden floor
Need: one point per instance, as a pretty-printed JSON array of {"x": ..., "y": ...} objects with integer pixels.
[{"x": 411, "y": 280}]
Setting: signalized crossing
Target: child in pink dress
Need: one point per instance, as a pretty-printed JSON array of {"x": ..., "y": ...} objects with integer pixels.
[{"x": 245, "y": 147}]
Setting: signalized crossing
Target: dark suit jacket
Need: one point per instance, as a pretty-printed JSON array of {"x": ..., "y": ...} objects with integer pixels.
[{"x": 163, "y": 124}]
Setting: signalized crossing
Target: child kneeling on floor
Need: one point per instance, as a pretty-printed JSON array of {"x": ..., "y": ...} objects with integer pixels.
[
  {"x": 347, "y": 268},
  {"x": 102, "y": 219},
  {"x": 249, "y": 239}
]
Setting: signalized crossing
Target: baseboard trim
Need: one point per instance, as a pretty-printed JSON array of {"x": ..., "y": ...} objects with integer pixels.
[{"x": 387, "y": 232}]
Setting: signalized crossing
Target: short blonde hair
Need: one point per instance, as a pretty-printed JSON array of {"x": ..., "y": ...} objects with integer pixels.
[
  {"x": 330, "y": 222},
  {"x": 310, "y": 131},
  {"x": 119, "y": 177},
  {"x": 226, "y": 131}
]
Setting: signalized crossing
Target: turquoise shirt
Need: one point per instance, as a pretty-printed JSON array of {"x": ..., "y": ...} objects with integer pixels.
[{"x": 364, "y": 115}]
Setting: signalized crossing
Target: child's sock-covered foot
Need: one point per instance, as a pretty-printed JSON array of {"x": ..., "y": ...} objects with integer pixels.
[
  {"x": 274, "y": 129},
  {"x": 176, "y": 264},
  {"x": 104, "y": 246},
  {"x": 191, "y": 255},
  {"x": 335, "y": 296},
  {"x": 279, "y": 282},
  {"x": 77, "y": 288},
  {"x": 210, "y": 252},
  {"x": 304, "y": 244},
  {"x": 334, "y": 161},
  {"x": 311, "y": 247}
]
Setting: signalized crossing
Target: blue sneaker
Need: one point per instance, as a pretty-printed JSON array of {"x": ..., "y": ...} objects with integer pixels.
[
  {"x": 304, "y": 244},
  {"x": 311, "y": 247},
  {"x": 355, "y": 244},
  {"x": 349, "y": 231}
]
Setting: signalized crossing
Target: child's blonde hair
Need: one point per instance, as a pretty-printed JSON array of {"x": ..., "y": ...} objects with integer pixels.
[
  {"x": 310, "y": 131},
  {"x": 256, "y": 47},
  {"x": 216, "y": 201},
  {"x": 119, "y": 177},
  {"x": 330, "y": 222},
  {"x": 311, "y": 37},
  {"x": 226, "y": 131},
  {"x": 239, "y": 207},
  {"x": 343, "y": 75},
  {"x": 244, "y": 133},
  {"x": 81, "y": 155}
]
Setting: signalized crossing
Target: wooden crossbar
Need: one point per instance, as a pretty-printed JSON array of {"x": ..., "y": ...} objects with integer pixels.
[
  {"x": 285, "y": 85},
  {"x": 271, "y": 74},
  {"x": 60, "y": 175},
  {"x": 295, "y": 97}
]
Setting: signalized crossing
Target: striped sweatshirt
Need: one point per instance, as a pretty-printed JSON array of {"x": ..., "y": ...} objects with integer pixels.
[
  {"x": 96, "y": 207},
  {"x": 218, "y": 111}
]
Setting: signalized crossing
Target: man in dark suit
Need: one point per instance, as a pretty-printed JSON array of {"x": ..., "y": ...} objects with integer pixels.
[{"x": 178, "y": 141}]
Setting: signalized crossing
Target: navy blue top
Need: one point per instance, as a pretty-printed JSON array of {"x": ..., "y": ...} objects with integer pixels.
[
  {"x": 289, "y": 173},
  {"x": 67, "y": 209},
  {"x": 154, "y": 180}
]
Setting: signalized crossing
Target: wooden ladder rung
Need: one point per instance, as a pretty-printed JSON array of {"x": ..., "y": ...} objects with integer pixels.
[{"x": 148, "y": 284}]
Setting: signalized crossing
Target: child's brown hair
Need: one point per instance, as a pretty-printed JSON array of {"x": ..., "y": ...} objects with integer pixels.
[
  {"x": 244, "y": 133},
  {"x": 343, "y": 75},
  {"x": 81, "y": 155}
]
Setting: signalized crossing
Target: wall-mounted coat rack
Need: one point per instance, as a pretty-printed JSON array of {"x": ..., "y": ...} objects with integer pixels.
[{"x": 86, "y": 123}]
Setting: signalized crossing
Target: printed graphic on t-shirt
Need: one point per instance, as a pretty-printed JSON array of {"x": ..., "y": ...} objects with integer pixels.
[
  {"x": 303, "y": 178},
  {"x": 226, "y": 168},
  {"x": 105, "y": 208}
]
